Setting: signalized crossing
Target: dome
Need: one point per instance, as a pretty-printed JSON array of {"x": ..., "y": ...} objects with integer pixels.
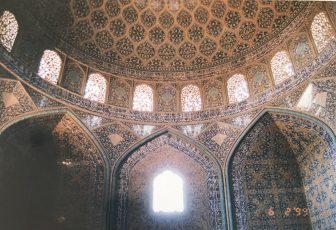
[
  {"x": 167, "y": 114},
  {"x": 167, "y": 36},
  {"x": 167, "y": 58}
]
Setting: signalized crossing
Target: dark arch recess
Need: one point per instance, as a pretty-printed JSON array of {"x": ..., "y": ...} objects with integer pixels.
[
  {"x": 54, "y": 173},
  {"x": 291, "y": 144}
]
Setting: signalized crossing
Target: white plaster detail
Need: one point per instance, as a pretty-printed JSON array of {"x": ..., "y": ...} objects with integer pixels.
[
  {"x": 9, "y": 99},
  {"x": 219, "y": 138},
  {"x": 115, "y": 139},
  {"x": 321, "y": 99}
]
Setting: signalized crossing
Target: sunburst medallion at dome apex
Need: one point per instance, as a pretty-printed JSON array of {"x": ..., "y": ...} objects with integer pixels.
[{"x": 155, "y": 35}]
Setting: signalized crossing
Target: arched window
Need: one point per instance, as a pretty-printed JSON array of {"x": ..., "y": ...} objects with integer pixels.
[
  {"x": 191, "y": 98},
  {"x": 168, "y": 193},
  {"x": 8, "y": 30},
  {"x": 95, "y": 89},
  {"x": 143, "y": 98},
  {"x": 50, "y": 66},
  {"x": 322, "y": 31},
  {"x": 282, "y": 67},
  {"x": 237, "y": 88}
]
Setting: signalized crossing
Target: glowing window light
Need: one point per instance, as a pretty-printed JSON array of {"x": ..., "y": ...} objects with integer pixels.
[
  {"x": 237, "y": 88},
  {"x": 168, "y": 193},
  {"x": 8, "y": 30},
  {"x": 143, "y": 98},
  {"x": 50, "y": 66},
  {"x": 282, "y": 67},
  {"x": 191, "y": 98},
  {"x": 322, "y": 31},
  {"x": 95, "y": 89}
]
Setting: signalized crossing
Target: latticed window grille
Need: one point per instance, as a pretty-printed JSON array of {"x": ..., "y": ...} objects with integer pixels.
[
  {"x": 50, "y": 66},
  {"x": 191, "y": 98},
  {"x": 8, "y": 30},
  {"x": 237, "y": 88},
  {"x": 322, "y": 31},
  {"x": 282, "y": 67},
  {"x": 143, "y": 98},
  {"x": 95, "y": 89}
]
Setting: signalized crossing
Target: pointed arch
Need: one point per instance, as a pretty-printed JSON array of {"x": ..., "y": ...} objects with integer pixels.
[
  {"x": 143, "y": 98},
  {"x": 95, "y": 89},
  {"x": 63, "y": 142},
  {"x": 58, "y": 111},
  {"x": 237, "y": 88},
  {"x": 153, "y": 143},
  {"x": 191, "y": 99},
  {"x": 321, "y": 30},
  {"x": 310, "y": 127},
  {"x": 50, "y": 66},
  {"x": 9, "y": 29},
  {"x": 282, "y": 67}
]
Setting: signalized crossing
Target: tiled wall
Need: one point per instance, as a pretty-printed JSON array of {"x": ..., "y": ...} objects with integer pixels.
[{"x": 265, "y": 180}]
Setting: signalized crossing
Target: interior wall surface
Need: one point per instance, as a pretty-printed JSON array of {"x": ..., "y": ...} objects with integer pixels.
[
  {"x": 282, "y": 174},
  {"x": 203, "y": 197},
  {"x": 140, "y": 198},
  {"x": 314, "y": 147},
  {"x": 51, "y": 177},
  {"x": 266, "y": 180}
]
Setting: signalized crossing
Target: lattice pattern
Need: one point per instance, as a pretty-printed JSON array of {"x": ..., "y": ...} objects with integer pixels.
[
  {"x": 191, "y": 98},
  {"x": 95, "y": 89},
  {"x": 169, "y": 35},
  {"x": 282, "y": 67},
  {"x": 143, "y": 98},
  {"x": 50, "y": 66},
  {"x": 8, "y": 30},
  {"x": 322, "y": 31},
  {"x": 237, "y": 88}
]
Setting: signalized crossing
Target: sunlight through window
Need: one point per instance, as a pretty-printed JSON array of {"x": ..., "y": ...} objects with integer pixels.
[
  {"x": 282, "y": 67},
  {"x": 191, "y": 98},
  {"x": 322, "y": 31},
  {"x": 8, "y": 30},
  {"x": 237, "y": 88},
  {"x": 95, "y": 89},
  {"x": 168, "y": 193},
  {"x": 50, "y": 66},
  {"x": 143, "y": 98}
]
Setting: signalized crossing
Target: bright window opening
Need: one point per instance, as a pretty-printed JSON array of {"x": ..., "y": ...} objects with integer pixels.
[
  {"x": 95, "y": 89},
  {"x": 168, "y": 193},
  {"x": 8, "y": 30},
  {"x": 191, "y": 98},
  {"x": 322, "y": 31},
  {"x": 282, "y": 67},
  {"x": 143, "y": 98},
  {"x": 50, "y": 66},
  {"x": 237, "y": 88}
]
